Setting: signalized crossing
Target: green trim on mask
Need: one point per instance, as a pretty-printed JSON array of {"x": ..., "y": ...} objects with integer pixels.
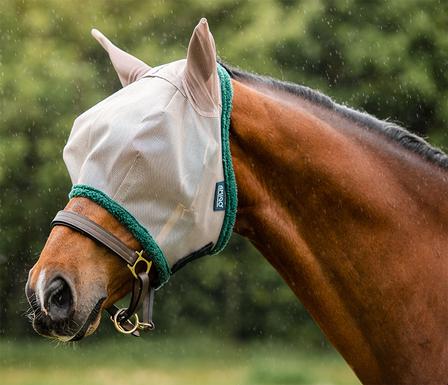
[
  {"x": 229, "y": 175},
  {"x": 128, "y": 220}
]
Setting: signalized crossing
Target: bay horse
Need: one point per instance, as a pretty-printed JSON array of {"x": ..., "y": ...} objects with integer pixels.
[{"x": 350, "y": 210}]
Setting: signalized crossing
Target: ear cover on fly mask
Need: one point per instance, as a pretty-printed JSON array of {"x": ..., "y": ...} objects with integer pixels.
[
  {"x": 129, "y": 68},
  {"x": 201, "y": 77}
]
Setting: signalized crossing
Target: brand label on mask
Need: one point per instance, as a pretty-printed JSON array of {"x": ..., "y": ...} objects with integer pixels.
[{"x": 220, "y": 197}]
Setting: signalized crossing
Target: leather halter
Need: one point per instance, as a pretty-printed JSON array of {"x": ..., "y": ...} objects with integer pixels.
[{"x": 142, "y": 291}]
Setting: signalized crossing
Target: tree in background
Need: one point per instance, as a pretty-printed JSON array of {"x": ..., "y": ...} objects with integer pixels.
[{"x": 388, "y": 58}]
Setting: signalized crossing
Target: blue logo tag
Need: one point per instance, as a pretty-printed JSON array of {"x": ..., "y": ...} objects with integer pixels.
[{"x": 220, "y": 197}]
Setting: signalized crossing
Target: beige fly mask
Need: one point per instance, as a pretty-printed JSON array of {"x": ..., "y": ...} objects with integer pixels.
[{"x": 156, "y": 153}]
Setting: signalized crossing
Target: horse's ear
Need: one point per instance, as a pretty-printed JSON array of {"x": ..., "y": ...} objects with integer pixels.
[
  {"x": 128, "y": 68},
  {"x": 201, "y": 78}
]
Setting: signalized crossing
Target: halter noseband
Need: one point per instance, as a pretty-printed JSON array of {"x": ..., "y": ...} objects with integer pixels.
[{"x": 142, "y": 291}]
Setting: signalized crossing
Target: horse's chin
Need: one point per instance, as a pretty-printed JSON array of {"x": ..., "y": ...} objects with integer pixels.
[
  {"x": 88, "y": 327},
  {"x": 88, "y": 330}
]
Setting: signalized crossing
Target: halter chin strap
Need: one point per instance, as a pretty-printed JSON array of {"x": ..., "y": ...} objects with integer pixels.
[{"x": 142, "y": 291}]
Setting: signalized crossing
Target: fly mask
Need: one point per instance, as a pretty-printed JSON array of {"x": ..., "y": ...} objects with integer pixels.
[{"x": 156, "y": 156}]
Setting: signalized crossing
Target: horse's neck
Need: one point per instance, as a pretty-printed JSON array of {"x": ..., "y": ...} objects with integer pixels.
[{"x": 359, "y": 242}]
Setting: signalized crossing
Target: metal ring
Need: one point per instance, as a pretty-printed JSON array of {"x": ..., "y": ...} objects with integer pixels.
[{"x": 120, "y": 328}]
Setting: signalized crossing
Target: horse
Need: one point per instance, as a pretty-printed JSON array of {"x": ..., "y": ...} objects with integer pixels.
[{"x": 350, "y": 210}]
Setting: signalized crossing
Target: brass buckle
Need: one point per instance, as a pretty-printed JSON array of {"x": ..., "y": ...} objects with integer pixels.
[
  {"x": 120, "y": 328},
  {"x": 138, "y": 260}
]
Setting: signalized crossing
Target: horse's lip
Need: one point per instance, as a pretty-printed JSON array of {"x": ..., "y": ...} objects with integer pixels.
[{"x": 90, "y": 319}]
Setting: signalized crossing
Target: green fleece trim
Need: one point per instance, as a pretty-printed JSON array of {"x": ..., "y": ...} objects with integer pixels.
[
  {"x": 128, "y": 220},
  {"x": 229, "y": 175}
]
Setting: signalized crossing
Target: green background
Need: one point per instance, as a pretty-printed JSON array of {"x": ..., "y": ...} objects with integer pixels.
[{"x": 227, "y": 315}]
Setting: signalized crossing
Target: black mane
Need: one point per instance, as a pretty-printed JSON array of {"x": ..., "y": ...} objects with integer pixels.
[{"x": 396, "y": 133}]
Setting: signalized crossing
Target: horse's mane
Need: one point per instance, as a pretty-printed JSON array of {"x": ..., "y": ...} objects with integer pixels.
[{"x": 391, "y": 130}]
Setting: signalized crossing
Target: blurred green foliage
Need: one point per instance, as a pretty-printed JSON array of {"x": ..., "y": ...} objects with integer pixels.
[{"x": 389, "y": 58}]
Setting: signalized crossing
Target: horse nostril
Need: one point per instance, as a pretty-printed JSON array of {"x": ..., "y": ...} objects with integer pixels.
[{"x": 58, "y": 299}]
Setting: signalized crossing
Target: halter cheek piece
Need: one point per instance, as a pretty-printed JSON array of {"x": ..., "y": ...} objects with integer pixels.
[{"x": 138, "y": 263}]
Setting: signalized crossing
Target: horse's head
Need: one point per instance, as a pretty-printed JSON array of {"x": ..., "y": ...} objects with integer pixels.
[{"x": 146, "y": 165}]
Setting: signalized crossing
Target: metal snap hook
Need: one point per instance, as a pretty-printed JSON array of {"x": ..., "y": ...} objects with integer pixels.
[{"x": 146, "y": 326}]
